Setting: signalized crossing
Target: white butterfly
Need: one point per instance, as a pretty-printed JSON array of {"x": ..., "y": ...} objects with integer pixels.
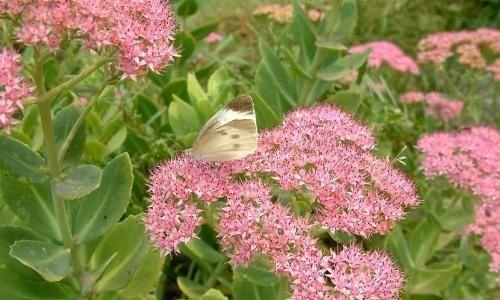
[{"x": 229, "y": 134}]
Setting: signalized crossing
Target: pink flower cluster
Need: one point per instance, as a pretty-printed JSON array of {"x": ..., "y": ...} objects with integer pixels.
[
  {"x": 471, "y": 159},
  {"x": 437, "y": 48},
  {"x": 321, "y": 151},
  {"x": 388, "y": 52},
  {"x": 213, "y": 37},
  {"x": 437, "y": 104},
  {"x": 360, "y": 275},
  {"x": 141, "y": 31},
  {"x": 13, "y": 87}
]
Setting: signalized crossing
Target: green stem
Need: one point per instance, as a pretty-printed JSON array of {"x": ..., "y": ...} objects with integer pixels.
[
  {"x": 78, "y": 124},
  {"x": 50, "y": 95}
]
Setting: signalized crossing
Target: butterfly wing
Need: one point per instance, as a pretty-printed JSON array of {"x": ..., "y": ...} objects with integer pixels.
[{"x": 230, "y": 134}]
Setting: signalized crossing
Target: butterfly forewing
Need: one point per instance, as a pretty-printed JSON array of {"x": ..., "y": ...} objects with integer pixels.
[{"x": 230, "y": 134}]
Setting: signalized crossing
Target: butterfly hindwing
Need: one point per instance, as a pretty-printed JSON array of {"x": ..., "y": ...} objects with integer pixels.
[{"x": 230, "y": 134}]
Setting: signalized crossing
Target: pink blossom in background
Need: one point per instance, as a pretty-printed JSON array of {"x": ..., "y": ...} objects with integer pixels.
[
  {"x": 13, "y": 88},
  {"x": 141, "y": 31},
  {"x": 389, "y": 53},
  {"x": 213, "y": 38},
  {"x": 412, "y": 97},
  {"x": 437, "y": 104},
  {"x": 442, "y": 107},
  {"x": 470, "y": 159},
  {"x": 360, "y": 275},
  {"x": 495, "y": 69},
  {"x": 437, "y": 48},
  {"x": 321, "y": 150}
]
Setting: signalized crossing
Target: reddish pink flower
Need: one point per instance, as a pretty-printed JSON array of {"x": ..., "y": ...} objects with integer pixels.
[
  {"x": 213, "y": 38},
  {"x": 319, "y": 150},
  {"x": 471, "y": 159},
  {"x": 412, "y": 97},
  {"x": 439, "y": 106},
  {"x": 388, "y": 52},
  {"x": 141, "y": 31},
  {"x": 13, "y": 88},
  {"x": 360, "y": 275},
  {"x": 438, "y": 47}
]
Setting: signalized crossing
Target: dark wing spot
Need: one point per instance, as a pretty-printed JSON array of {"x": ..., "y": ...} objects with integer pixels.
[
  {"x": 222, "y": 132},
  {"x": 235, "y": 136},
  {"x": 236, "y": 146},
  {"x": 241, "y": 104}
]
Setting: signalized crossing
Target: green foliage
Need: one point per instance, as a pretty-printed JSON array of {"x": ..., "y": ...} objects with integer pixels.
[
  {"x": 77, "y": 182},
  {"x": 49, "y": 260},
  {"x": 18, "y": 161}
]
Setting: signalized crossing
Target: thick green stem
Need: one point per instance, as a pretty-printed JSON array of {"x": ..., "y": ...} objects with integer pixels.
[
  {"x": 43, "y": 101},
  {"x": 78, "y": 124},
  {"x": 65, "y": 86}
]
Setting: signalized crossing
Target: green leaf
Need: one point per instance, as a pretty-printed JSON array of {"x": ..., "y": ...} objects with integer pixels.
[
  {"x": 340, "y": 236},
  {"x": 347, "y": 100},
  {"x": 49, "y": 260},
  {"x": 187, "y": 45},
  {"x": 348, "y": 19},
  {"x": 64, "y": 121},
  {"x": 194, "y": 89},
  {"x": 146, "y": 276},
  {"x": 77, "y": 182},
  {"x": 190, "y": 288},
  {"x": 186, "y": 8},
  {"x": 266, "y": 117},
  {"x": 204, "y": 30},
  {"x": 32, "y": 204},
  {"x": 246, "y": 285},
  {"x": 433, "y": 279},
  {"x": 213, "y": 294},
  {"x": 423, "y": 242},
  {"x": 95, "y": 149},
  {"x": 116, "y": 141},
  {"x": 216, "y": 83},
  {"x": 295, "y": 65},
  {"x": 331, "y": 45},
  {"x": 259, "y": 274},
  {"x": 397, "y": 244},
  {"x": 8, "y": 235},
  {"x": 343, "y": 66},
  {"x": 20, "y": 288},
  {"x": 30, "y": 120},
  {"x": 102, "y": 208},
  {"x": 178, "y": 87},
  {"x": 129, "y": 240},
  {"x": 203, "y": 251},
  {"x": 20, "y": 162},
  {"x": 277, "y": 73},
  {"x": 182, "y": 117},
  {"x": 96, "y": 273},
  {"x": 268, "y": 92},
  {"x": 458, "y": 217}
]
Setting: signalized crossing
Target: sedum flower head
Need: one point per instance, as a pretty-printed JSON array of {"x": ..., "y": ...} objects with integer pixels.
[
  {"x": 437, "y": 104},
  {"x": 389, "y": 53},
  {"x": 360, "y": 275},
  {"x": 471, "y": 159},
  {"x": 140, "y": 30},
  {"x": 438, "y": 47},
  {"x": 321, "y": 151},
  {"x": 13, "y": 88}
]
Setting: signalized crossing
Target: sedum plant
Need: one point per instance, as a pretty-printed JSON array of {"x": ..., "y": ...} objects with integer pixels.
[{"x": 66, "y": 236}]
